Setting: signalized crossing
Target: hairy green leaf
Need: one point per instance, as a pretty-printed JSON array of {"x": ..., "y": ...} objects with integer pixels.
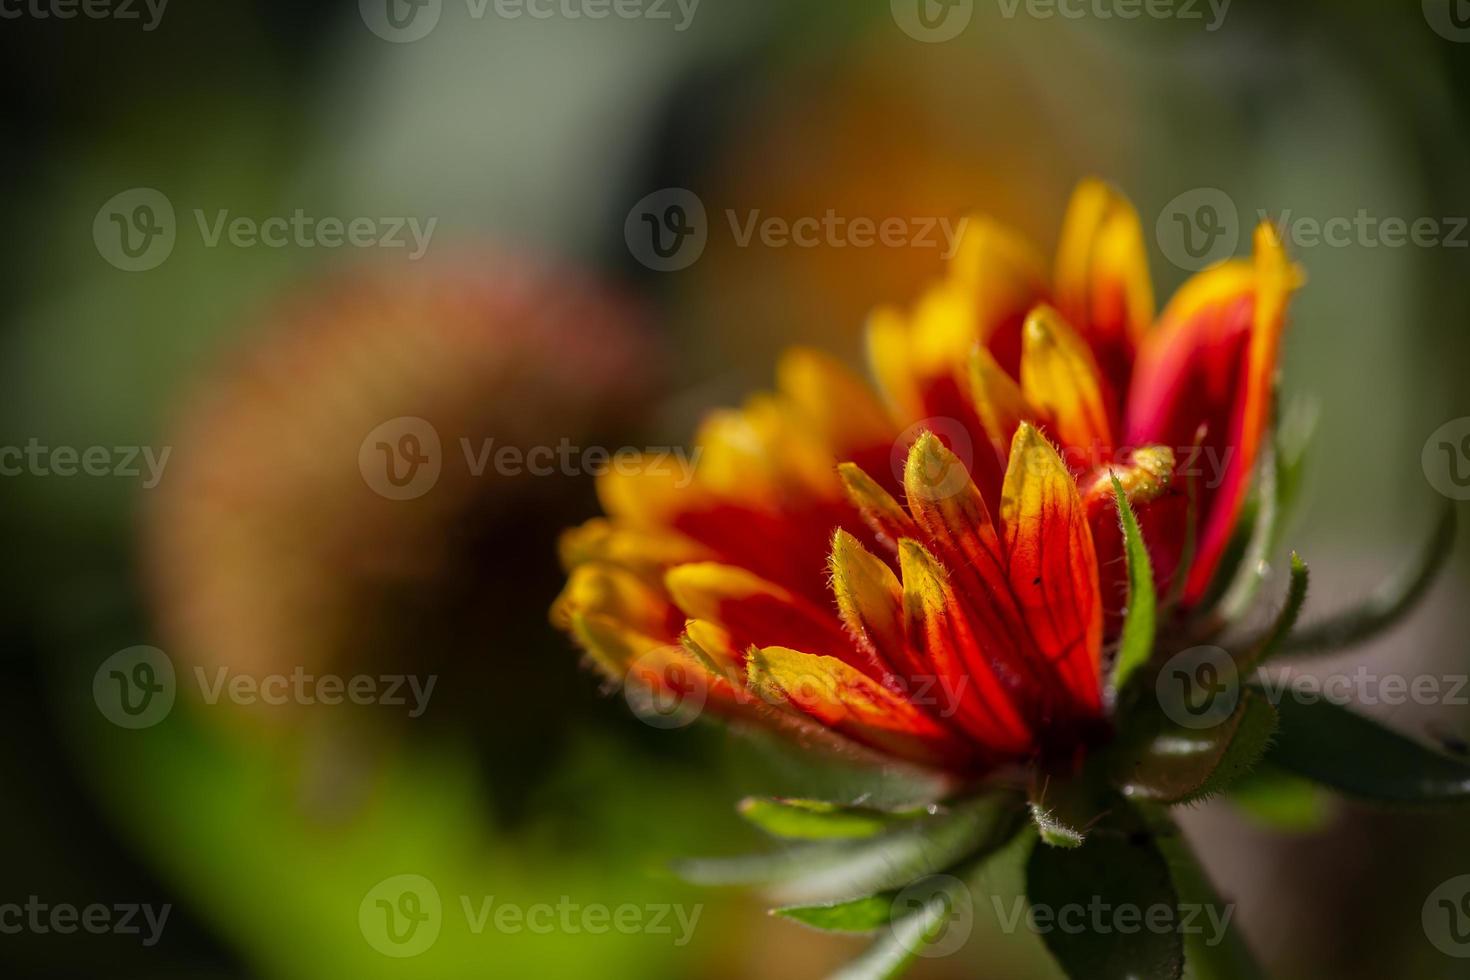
[
  {"x": 1160, "y": 760},
  {"x": 1296, "y": 595},
  {"x": 907, "y": 934},
  {"x": 1112, "y": 870}
]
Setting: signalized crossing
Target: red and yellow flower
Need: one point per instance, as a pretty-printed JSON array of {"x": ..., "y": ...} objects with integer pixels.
[{"x": 936, "y": 573}]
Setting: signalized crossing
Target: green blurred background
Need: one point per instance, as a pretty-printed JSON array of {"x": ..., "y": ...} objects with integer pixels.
[{"x": 528, "y": 140}]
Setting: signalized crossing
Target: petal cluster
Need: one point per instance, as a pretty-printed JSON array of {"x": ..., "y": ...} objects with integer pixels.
[{"x": 933, "y": 571}]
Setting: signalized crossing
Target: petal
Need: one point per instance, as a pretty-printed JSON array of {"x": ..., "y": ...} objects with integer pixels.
[
  {"x": 619, "y": 594},
  {"x": 1052, "y": 563},
  {"x": 869, "y": 598},
  {"x": 1147, "y": 474},
  {"x": 833, "y": 402},
  {"x": 645, "y": 552},
  {"x": 1211, "y": 364},
  {"x": 757, "y": 611},
  {"x": 884, "y": 515},
  {"x": 1060, "y": 378},
  {"x": 853, "y": 704},
  {"x": 958, "y": 526},
  {"x": 1004, "y": 277},
  {"x": 947, "y": 657},
  {"x": 998, "y": 399},
  {"x": 1103, "y": 286}
]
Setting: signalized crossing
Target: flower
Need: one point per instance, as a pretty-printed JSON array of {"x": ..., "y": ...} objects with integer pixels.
[
  {"x": 278, "y": 542},
  {"x": 936, "y": 574}
]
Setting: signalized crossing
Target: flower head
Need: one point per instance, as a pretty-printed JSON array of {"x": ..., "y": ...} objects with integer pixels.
[{"x": 936, "y": 572}]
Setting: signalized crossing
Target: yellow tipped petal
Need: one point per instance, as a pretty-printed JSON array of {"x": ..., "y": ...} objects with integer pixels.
[
  {"x": 644, "y": 552},
  {"x": 879, "y": 510},
  {"x": 642, "y": 491},
  {"x": 869, "y": 598},
  {"x": 611, "y": 645},
  {"x": 891, "y": 361},
  {"x": 998, "y": 399},
  {"x": 1060, "y": 378},
  {"x": 1001, "y": 272},
  {"x": 1053, "y": 563},
  {"x": 700, "y": 588},
  {"x": 1144, "y": 477},
  {"x": 835, "y": 403},
  {"x": 1103, "y": 286},
  {"x": 606, "y": 590}
]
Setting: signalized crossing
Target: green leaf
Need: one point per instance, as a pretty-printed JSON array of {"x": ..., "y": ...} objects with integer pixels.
[
  {"x": 1388, "y": 605},
  {"x": 1262, "y": 650},
  {"x": 1217, "y": 952},
  {"x": 1160, "y": 760},
  {"x": 859, "y": 915},
  {"x": 897, "y": 947},
  {"x": 1281, "y": 801},
  {"x": 1136, "y": 644},
  {"x": 1294, "y": 432},
  {"x": 820, "y": 820},
  {"x": 833, "y": 871},
  {"x": 1360, "y": 758},
  {"x": 1118, "y": 871}
]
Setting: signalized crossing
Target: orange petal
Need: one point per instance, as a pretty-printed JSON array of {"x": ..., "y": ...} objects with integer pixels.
[
  {"x": 1004, "y": 277},
  {"x": 958, "y": 525},
  {"x": 869, "y": 598},
  {"x": 833, "y": 402},
  {"x": 855, "y": 705},
  {"x": 998, "y": 399},
  {"x": 756, "y": 611},
  {"x": 1060, "y": 378},
  {"x": 1053, "y": 566},
  {"x": 883, "y": 514},
  {"x": 616, "y": 593},
  {"x": 1102, "y": 281},
  {"x": 645, "y": 552},
  {"x": 947, "y": 657}
]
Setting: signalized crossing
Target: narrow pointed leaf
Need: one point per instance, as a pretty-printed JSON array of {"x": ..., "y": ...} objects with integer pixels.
[
  {"x": 1385, "y": 608},
  {"x": 859, "y": 915},
  {"x": 820, "y": 820},
  {"x": 1296, "y": 595},
  {"x": 1136, "y": 644},
  {"x": 1360, "y": 758},
  {"x": 837, "y": 871},
  {"x": 900, "y": 944},
  {"x": 1064, "y": 810}
]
